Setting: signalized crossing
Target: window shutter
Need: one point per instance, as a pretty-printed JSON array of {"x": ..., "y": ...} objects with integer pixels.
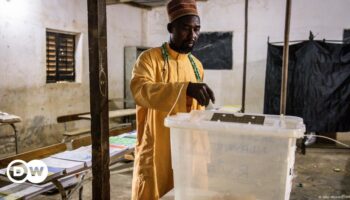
[
  {"x": 51, "y": 58},
  {"x": 60, "y": 57}
]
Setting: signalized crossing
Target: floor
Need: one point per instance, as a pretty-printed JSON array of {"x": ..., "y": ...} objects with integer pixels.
[
  {"x": 120, "y": 181},
  {"x": 320, "y": 174}
]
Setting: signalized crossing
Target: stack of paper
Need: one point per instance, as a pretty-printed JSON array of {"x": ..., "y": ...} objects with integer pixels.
[
  {"x": 67, "y": 166},
  {"x": 66, "y": 162},
  {"x": 115, "y": 149},
  {"x": 82, "y": 154},
  {"x": 19, "y": 190},
  {"x": 27, "y": 190},
  {"x": 124, "y": 140},
  {"x": 131, "y": 134}
]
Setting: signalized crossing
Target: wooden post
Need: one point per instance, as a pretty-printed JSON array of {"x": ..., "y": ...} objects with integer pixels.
[
  {"x": 99, "y": 98},
  {"x": 284, "y": 82},
  {"x": 245, "y": 55}
]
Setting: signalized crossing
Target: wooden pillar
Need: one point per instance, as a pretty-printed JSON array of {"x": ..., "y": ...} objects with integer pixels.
[
  {"x": 99, "y": 98},
  {"x": 245, "y": 55},
  {"x": 284, "y": 82}
]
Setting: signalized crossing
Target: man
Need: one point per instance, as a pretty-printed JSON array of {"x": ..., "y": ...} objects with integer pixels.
[{"x": 165, "y": 80}]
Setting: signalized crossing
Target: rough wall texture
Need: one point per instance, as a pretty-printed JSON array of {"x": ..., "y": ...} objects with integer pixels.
[
  {"x": 23, "y": 24},
  {"x": 23, "y": 87}
]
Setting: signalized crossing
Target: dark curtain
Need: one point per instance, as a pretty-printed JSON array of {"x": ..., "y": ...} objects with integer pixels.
[{"x": 318, "y": 84}]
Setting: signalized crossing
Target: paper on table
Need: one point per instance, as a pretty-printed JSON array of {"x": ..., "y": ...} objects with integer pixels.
[
  {"x": 82, "y": 154},
  {"x": 18, "y": 190},
  {"x": 116, "y": 149},
  {"x": 130, "y": 142},
  {"x": 67, "y": 165}
]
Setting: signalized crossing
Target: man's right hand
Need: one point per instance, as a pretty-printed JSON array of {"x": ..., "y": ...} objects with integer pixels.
[{"x": 201, "y": 92}]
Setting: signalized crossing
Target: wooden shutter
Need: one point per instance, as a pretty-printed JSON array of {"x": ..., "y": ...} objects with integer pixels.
[{"x": 60, "y": 57}]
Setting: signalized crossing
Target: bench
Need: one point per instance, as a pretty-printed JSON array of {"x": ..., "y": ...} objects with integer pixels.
[
  {"x": 86, "y": 116},
  {"x": 86, "y": 140},
  {"x": 34, "y": 154},
  {"x": 64, "y": 191},
  {"x": 71, "y": 118}
]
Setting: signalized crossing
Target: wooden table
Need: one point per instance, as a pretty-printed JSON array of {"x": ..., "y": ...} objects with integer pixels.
[
  {"x": 80, "y": 173},
  {"x": 8, "y": 119}
]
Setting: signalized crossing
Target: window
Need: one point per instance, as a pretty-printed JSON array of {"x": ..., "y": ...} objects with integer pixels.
[
  {"x": 60, "y": 52},
  {"x": 346, "y": 36}
]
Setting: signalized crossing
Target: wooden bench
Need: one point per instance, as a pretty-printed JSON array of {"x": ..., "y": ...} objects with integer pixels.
[
  {"x": 83, "y": 131},
  {"x": 55, "y": 148},
  {"x": 34, "y": 154},
  {"x": 72, "y": 133},
  {"x": 65, "y": 192},
  {"x": 86, "y": 140}
]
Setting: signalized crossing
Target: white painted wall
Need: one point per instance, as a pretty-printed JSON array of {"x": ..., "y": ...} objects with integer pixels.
[
  {"x": 23, "y": 88},
  {"x": 326, "y": 18},
  {"x": 23, "y": 24},
  {"x": 124, "y": 28}
]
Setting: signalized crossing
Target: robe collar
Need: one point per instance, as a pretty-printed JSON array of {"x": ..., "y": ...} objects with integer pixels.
[{"x": 174, "y": 54}]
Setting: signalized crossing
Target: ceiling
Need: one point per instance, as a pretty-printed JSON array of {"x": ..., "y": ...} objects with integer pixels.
[{"x": 147, "y": 4}]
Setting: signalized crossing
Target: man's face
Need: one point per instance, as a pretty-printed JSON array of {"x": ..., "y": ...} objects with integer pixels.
[{"x": 184, "y": 33}]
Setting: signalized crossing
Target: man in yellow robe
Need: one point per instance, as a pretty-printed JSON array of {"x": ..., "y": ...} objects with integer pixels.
[{"x": 165, "y": 80}]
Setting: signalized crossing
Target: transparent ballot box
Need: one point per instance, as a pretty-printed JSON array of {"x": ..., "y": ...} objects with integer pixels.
[{"x": 233, "y": 156}]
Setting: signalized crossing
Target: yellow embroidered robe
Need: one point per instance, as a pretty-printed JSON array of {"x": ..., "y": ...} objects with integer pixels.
[{"x": 155, "y": 88}]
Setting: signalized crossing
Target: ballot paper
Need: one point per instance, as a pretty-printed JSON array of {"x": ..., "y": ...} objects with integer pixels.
[
  {"x": 66, "y": 165},
  {"x": 82, "y": 154},
  {"x": 131, "y": 134},
  {"x": 27, "y": 190},
  {"x": 126, "y": 141},
  {"x": 115, "y": 149},
  {"x": 18, "y": 190},
  {"x": 52, "y": 171}
]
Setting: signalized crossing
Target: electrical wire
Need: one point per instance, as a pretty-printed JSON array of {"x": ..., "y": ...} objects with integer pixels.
[{"x": 320, "y": 136}]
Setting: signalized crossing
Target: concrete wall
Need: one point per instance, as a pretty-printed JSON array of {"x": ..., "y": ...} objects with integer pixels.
[
  {"x": 326, "y": 19},
  {"x": 23, "y": 23},
  {"x": 23, "y": 88},
  {"x": 124, "y": 28}
]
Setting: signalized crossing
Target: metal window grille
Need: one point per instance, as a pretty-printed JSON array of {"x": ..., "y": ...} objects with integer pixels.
[{"x": 60, "y": 62}]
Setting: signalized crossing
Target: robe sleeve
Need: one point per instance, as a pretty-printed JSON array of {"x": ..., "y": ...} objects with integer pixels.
[{"x": 149, "y": 93}]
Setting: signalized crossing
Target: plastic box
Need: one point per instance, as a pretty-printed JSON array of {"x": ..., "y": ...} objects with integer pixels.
[{"x": 229, "y": 160}]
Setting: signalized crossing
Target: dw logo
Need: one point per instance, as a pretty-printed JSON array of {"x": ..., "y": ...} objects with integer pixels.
[{"x": 35, "y": 171}]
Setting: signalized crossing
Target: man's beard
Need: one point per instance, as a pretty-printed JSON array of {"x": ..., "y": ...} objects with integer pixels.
[{"x": 184, "y": 48}]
